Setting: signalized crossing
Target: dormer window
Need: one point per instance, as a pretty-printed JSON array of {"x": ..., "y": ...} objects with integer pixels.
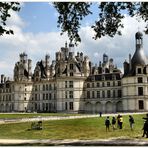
[{"x": 139, "y": 71}]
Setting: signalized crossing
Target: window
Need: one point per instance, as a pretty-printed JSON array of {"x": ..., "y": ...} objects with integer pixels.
[
  {"x": 88, "y": 94},
  {"x": 71, "y": 73},
  {"x": 92, "y": 84},
  {"x": 35, "y": 96},
  {"x": 140, "y": 80},
  {"x": 88, "y": 85},
  {"x": 93, "y": 94},
  {"x": 108, "y": 93},
  {"x": 114, "y": 93},
  {"x": 119, "y": 93},
  {"x": 65, "y": 84},
  {"x": 46, "y": 96},
  {"x": 119, "y": 83},
  {"x": 103, "y": 94},
  {"x": 25, "y": 98},
  {"x": 108, "y": 84},
  {"x": 113, "y": 83},
  {"x": 70, "y": 94},
  {"x": 66, "y": 94},
  {"x": 103, "y": 84},
  {"x": 71, "y": 84},
  {"x": 46, "y": 86},
  {"x": 98, "y": 84},
  {"x": 43, "y": 87},
  {"x": 71, "y": 67},
  {"x": 50, "y": 96},
  {"x": 141, "y": 104},
  {"x": 43, "y": 96},
  {"x": 98, "y": 94},
  {"x": 140, "y": 91},
  {"x": 139, "y": 71},
  {"x": 50, "y": 87},
  {"x": 71, "y": 105},
  {"x": 65, "y": 105}
]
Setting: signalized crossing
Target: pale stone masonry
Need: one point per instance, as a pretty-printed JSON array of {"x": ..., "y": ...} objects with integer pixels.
[{"x": 71, "y": 84}]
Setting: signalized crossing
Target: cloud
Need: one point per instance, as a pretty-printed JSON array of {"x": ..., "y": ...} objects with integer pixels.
[{"x": 39, "y": 44}]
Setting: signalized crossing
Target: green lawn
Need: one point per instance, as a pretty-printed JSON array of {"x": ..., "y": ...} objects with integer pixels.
[{"x": 86, "y": 128}]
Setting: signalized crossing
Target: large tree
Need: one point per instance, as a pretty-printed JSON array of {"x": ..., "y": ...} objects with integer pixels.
[{"x": 108, "y": 22}]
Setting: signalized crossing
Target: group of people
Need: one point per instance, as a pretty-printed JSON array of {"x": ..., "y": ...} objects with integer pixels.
[{"x": 119, "y": 121}]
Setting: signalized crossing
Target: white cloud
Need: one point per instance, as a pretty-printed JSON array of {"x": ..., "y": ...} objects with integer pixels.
[{"x": 37, "y": 45}]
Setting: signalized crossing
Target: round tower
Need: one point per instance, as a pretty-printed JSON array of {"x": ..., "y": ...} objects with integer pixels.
[{"x": 139, "y": 57}]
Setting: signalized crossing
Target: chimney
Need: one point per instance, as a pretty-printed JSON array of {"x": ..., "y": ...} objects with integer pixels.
[{"x": 2, "y": 78}]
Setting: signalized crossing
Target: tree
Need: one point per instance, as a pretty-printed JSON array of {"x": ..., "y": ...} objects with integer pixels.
[
  {"x": 5, "y": 8},
  {"x": 109, "y": 21}
]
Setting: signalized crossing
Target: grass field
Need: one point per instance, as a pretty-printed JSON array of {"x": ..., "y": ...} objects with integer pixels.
[{"x": 86, "y": 128}]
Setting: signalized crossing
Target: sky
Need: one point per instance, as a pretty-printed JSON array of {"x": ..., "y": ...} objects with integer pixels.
[{"x": 36, "y": 33}]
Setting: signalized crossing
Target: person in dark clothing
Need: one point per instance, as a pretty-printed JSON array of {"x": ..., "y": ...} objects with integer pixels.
[
  {"x": 145, "y": 127},
  {"x": 113, "y": 122},
  {"x": 100, "y": 113},
  {"x": 131, "y": 121},
  {"x": 118, "y": 121},
  {"x": 107, "y": 123}
]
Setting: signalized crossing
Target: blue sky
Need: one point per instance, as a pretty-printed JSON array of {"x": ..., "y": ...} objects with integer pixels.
[
  {"x": 36, "y": 33},
  {"x": 40, "y": 17}
]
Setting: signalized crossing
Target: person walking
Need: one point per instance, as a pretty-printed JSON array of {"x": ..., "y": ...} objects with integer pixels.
[
  {"x": 121, "y": 122},
  {"x": 107, "y": 123},
  {"x": 113, "y": 122},
  {"x": 131, "y": 121}
]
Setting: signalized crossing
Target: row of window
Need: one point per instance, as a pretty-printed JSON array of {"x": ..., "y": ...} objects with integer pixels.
[
  {"x": 46, "y": 87},
  {"x": 5, "y": 98},
  {"x": 103, "y": 84},
  {"x": 47, "y": 96},
  {"x": 6, "y": 90},
  {"x": 104, "y": 94}
]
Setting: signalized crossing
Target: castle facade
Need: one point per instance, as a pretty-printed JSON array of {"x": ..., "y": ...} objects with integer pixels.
[{"x": 71, "y": 84}]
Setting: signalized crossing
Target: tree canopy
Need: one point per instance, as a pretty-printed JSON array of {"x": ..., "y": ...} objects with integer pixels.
[
  {"x": 109, "y": 21},
  {"x": 5, "y": 9},
  {"x": 71, "y": 14}
]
